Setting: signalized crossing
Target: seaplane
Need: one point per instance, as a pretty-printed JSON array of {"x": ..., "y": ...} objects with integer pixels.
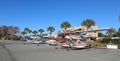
[
  {"x": 34, "y": 42},
  {"x": 52, "y": 42}
]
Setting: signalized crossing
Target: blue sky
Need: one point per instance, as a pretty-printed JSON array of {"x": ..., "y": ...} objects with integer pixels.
[{"x": 36, "y": 14}]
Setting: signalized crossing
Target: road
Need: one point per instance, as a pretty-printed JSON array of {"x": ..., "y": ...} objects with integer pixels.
[{"x": 32, "y": 52}]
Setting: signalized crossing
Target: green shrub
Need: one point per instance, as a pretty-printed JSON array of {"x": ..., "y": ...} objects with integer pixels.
[{"x": 98, "y": 43}]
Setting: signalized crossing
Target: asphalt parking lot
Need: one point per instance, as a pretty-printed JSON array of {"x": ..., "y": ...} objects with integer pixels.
[{"x": 43, "y": 52}]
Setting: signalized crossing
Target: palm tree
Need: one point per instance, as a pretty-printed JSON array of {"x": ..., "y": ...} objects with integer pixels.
[
  {"x": 30, "y": 31},
  {"x": 23, "y": 33},
  {"x": 35, "y": 32},
  {"x": 51, "y": 29},
  {"x": 65, "y": 25},
  {"x": 26, "y": 30},
  {"x": 111, "y": 32},
  {"x": 41, "y": 31},
  {"x": 88, "y": 23}
]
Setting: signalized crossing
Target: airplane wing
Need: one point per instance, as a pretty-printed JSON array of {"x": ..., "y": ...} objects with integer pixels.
[{"x": 102, "y": 29}]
